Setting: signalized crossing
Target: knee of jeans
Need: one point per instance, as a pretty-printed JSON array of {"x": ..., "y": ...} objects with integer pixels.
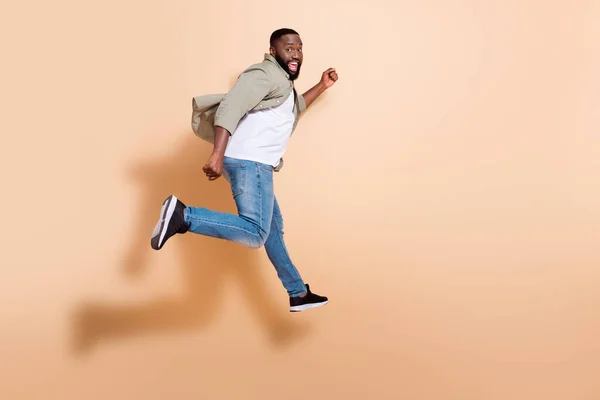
[
  {"x": 256, "y": 243},
  {"x": 259, "y": 239}
]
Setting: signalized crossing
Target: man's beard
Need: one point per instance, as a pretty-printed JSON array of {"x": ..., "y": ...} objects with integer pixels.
[{"x": 293, "y": 75}]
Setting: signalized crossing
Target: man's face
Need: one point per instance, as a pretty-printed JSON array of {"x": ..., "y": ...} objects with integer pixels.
[{"x": 288, "y": 53}]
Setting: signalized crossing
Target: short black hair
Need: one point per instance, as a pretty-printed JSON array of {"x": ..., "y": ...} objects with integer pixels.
[{"x": 279, "y": 33}]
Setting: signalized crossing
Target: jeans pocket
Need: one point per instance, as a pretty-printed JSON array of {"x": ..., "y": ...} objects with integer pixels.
[{"x": 236, "y": 176}]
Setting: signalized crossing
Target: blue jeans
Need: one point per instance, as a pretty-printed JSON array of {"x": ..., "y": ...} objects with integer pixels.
[{"x": 259, "y": 221}]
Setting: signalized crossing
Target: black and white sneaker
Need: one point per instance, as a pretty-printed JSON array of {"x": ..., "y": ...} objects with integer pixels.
[
  {"x": 311, "y": 300},
  {"x": 171, "y": 222}
]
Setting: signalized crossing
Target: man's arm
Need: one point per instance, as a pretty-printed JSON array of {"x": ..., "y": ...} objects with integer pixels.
[
  {"x": 214, "y": 166},
  {"x": 251, "y": 87},
  {"x": 328, "y": 78}
]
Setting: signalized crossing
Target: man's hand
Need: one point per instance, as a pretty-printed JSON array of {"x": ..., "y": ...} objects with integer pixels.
[
  {"x": 213, "y": 167},
  {"x": 329, "y": 78}
]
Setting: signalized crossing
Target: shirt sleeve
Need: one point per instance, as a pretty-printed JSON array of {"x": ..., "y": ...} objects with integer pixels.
[
  {"x": 252, "y": 86},
  {"x": 301, "y": 103}
]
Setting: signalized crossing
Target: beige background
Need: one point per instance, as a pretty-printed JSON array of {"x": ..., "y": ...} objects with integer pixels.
[{"x": 444, "y": 194}]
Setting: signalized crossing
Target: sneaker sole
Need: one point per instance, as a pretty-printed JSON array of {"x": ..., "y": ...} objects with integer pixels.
[
  {"x": 166, "y": 212},
  {"x": 307, "y": 306}
]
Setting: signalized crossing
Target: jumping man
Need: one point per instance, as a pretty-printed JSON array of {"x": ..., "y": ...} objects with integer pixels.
[{"x": 250, "y": 128}]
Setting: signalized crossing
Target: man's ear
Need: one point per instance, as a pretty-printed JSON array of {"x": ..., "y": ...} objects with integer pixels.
[{"x": 272, "y": 51}]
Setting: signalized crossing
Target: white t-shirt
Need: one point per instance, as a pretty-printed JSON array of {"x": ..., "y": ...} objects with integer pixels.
[{"x": 263, "y": 135}]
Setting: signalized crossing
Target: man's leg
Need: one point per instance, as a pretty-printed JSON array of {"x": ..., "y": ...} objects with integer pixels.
[
  {"x": 252, "y": 189},
  {"x": 280, "y": 258},
  {"x": 301, "y": 298}
]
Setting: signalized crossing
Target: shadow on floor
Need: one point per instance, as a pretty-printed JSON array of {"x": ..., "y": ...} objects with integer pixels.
[{"x": 207, "y": 263}]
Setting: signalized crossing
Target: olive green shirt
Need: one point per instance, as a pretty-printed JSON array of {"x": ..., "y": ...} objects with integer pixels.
[{"x": 260, "y": 86}]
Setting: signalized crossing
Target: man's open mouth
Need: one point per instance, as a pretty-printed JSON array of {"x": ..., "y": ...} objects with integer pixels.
[{"x": 293, "y": 67}]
